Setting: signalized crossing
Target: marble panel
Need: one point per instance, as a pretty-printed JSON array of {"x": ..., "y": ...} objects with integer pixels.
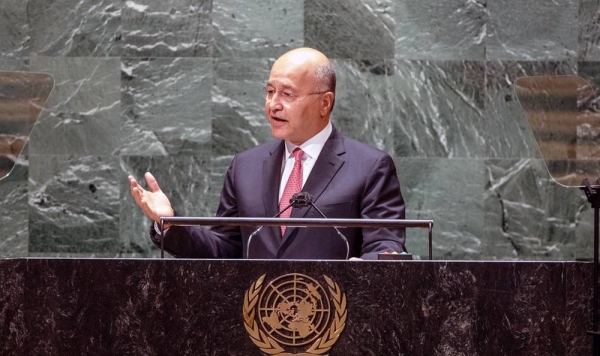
[
  {"x": 363, "y": 106},
  {"x": 358, "y": 29},
  {"x": 219, "y": 167},
  {"x": 449, "y": 192},
  {"x": 135, "y": 307},
  {"x": 167, "y": 105},
  {"x": 589, "y": 30},
  {"x": 178, "y": 28},
  {"x": 53, "y": 324},
  {"x": 532, "y": 30},
  {"x": 73, "y": 204},
  {"x": 438, "y": 109},
  {"x": 14, "y": 212},
  {"x": 12, "y": 315},
  {"x": 17, "y": 64},
  {"x": 14, "y": 30},
  {"x": 258, "y": 28},
  {"x": 82, "y": 114},
  {"x": 75, "y": 28},
  {"x": 520, "y": 297},
  {"x": 578, "y": 315},
  {"x": 507, "y": 133},
  {"x": 239, "y": 120},
  {"x": 440, "y": 30},
  {"x": 528, "y": 216},
  {"x": 184, "y": 179}
]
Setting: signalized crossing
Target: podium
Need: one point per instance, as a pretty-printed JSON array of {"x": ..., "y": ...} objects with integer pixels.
[{"x": 197, "y": 307}]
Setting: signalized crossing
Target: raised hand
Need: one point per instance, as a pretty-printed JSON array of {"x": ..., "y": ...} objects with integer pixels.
[{"x": 154, "y": 202}]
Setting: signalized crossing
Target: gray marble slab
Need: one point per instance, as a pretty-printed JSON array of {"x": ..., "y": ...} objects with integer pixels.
[
  {"x": 14, "y": 30},
  {"x": 364, "y": 103},
  {"x": 73, "y": 204},
  {"x": 86, "y": 27},
  {"x": 18, "y": 64},
  {"x": 358, "y": 29},
  {"x": 440, "y": 30},
  {"x": 589, "y": 30},
  {"x": 449, "y": 192},
  {"x": 532, "y": 30},
  {"x": 82, "y": 114},
  {"x": 178, "y": 28},
  {"x": 429, "y": 82},
  {"x": 439, "y": 109},
  {"x": 258, "y": 28},
  {"x": 14, "y": 211},
  {"x": 239, "y": 120},
  {"x": 166, "y": 103},
  {"x": 529, "y": 216}
]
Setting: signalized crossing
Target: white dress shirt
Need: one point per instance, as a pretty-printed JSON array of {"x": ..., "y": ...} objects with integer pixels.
[{"x": 312, "y": 148}]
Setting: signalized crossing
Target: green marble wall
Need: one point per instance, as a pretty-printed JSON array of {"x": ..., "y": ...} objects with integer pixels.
[{"x": 175, "y": 88}]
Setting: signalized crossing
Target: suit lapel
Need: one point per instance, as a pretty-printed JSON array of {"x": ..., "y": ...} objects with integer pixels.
[
  {"x": 325, "y": 168},
  {"x": 271, "y": 179}
]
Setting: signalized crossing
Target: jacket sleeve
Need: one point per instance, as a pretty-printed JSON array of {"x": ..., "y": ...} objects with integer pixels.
[
  {"x": 199, "y": 242},
  {"x": 382, "y": 199}
]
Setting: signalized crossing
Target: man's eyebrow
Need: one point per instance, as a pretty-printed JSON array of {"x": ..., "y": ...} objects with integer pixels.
[{"x": 283, "y": 86}]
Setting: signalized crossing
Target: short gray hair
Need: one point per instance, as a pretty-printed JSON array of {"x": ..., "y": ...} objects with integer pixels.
[{"x": 326, "y": 79}]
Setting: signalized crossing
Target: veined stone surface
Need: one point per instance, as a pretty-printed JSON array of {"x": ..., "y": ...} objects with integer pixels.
[
  {"x": 179, "y": 28},
  {"x": 82, "y": 114},
  {"x": 75, "y": 28},
  {"x": 167, "y": 105},
  {"x": 176, "y": 88},
  {"x": 444, "y": 30},
  {"x": 259, "y": 28}
]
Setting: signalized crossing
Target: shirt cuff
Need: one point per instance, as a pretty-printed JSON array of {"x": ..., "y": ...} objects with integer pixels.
[{"x": 157, "y": 229}]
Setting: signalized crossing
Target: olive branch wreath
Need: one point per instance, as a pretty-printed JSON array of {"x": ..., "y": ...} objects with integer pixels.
[{"x": 269, "y": 346}]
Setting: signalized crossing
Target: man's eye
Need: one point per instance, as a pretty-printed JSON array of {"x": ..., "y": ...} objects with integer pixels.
[
  {"x": 270, "y": 92},
  {"x": 288, "y": 94}
]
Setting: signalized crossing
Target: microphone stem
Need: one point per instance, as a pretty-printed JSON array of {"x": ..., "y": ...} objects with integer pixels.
[
  {"x": 259, "y": 228},
  {"x": 336, "y": 230}
]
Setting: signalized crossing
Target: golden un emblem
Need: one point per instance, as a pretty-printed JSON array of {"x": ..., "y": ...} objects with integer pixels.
[{"x": 294, "y": 312}]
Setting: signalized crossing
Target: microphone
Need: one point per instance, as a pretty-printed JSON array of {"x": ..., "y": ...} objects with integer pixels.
[
  {"x": 295, "y": 202},
  {"x": 302, "y": 199},
  {"x": 307, "y": 200}
]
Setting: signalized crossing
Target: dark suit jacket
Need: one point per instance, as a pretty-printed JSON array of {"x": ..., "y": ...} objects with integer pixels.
[{"x": 349, "y": 180}]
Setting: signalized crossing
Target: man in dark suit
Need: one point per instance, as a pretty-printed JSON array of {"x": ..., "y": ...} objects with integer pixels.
[{"x": 346, "y": 178}]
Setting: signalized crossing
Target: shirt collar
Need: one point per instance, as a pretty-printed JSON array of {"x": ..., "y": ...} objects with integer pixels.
[{"x": 313, "y": 146}]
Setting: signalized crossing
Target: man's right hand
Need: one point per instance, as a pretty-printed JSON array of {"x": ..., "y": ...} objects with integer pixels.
[{"x": 154, "y": 202}]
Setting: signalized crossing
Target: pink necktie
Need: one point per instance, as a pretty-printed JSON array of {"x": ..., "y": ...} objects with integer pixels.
[{"x": 293, "y": 186}]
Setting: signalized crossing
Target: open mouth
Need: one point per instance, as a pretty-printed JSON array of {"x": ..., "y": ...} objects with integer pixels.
[{"x": 278, "y": 119}]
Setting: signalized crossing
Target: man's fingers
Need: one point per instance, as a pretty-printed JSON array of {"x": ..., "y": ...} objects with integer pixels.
[
  {"x": 152, "y": 183},
  {"x": 135, "y": 188}
]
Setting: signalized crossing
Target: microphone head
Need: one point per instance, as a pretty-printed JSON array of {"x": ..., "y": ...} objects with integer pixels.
[{"x": 301, "y": 199}]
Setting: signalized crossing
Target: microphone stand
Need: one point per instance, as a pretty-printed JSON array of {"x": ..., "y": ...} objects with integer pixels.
[
  {"x": 308, "y": 202},
  {"x": 310, "y": 222},
  {"x": 261, "y": 226}
]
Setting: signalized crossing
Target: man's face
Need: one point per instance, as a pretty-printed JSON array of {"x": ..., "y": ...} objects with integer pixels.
[{"x": 294, "y": 108}]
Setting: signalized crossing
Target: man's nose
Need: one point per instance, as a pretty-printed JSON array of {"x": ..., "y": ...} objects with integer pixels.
[{"x": 275, "y": 102}]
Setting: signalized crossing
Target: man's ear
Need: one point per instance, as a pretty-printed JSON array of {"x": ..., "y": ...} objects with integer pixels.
[{"x": 326, "y": 103}]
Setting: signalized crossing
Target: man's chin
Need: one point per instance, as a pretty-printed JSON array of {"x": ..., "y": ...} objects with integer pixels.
[{"x": 278, "y": 132}]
